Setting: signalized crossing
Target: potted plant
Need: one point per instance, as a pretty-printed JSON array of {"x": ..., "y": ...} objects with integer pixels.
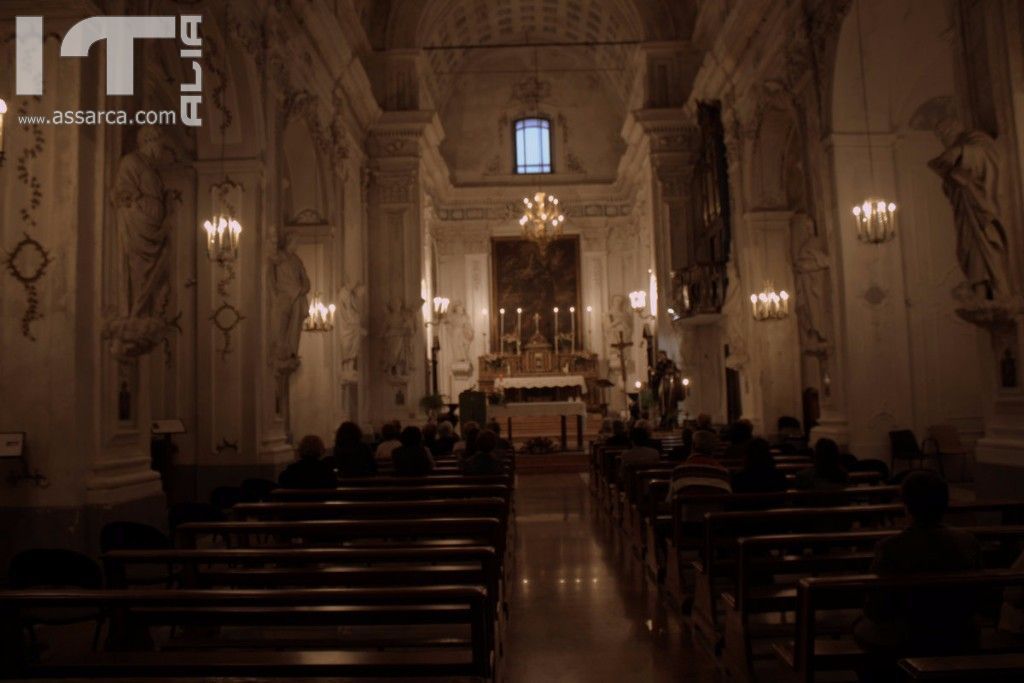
[{"x": 432, "y": 404}]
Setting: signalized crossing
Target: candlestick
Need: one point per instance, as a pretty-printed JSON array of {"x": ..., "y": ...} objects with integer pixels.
[
  {"x": 501, "y": 331},
  {"x": 483, "y": 314},
  {"x": 590, "y": 328},
  {"x": 555, "y": 309},
  {"x": 572, "y": 327},
  {"x": 519, "y": 330}
]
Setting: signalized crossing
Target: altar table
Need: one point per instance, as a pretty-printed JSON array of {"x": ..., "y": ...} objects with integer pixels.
[
  {"x": 563, "y": 409},
  {"x": 542, "y": 382}
]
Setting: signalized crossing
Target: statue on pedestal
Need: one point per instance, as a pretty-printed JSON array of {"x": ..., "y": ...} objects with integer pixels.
[
  {"x": 811, "y": 265},
  {"x": 142, "y": 203},
  {"x": 289, "y": 286},
  {"x": 351, "y": 330},
  {"x": 398, "y": 332},
  {"x": 969, "y": 168},
  {"x": 459, "y": 334}
]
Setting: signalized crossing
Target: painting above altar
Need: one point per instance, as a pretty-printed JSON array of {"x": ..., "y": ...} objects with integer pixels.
[{"x": 529, "y": 284}]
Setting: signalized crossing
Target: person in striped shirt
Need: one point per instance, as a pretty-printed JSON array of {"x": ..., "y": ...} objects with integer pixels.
[{"x": 701, "y": 472}]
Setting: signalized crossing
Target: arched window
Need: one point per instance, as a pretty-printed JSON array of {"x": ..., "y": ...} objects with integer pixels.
[{"x": 533, "y": 146}]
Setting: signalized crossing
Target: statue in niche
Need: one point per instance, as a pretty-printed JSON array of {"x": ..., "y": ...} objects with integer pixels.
[
  {"x": 459, "y": 333},
  {"x": 969, "y": 168},
  {"x": 142, "y": 204},
  {"x": 288, "y": 285},
  {"x": 618, "y": 320},
  {"x": 398, "y": 332},
  {"x": 811, "y": 265},
  {"x": 349, "y": 317}
]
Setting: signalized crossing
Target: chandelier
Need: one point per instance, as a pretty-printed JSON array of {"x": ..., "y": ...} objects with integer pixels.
[
  {"x": 222, "y": 236},
  {"x": 542, "y": 219},
  {"x": 875, "y": 217},
  {"x": 321, "y": 316},
  {"x": 876, "y": 221},
  {"x": 769, "y": 304}
]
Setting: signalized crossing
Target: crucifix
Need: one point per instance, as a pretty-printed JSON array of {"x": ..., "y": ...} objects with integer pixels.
[
  {"x": 621, "y": 347},
  {"x": 536, "y": 324}
]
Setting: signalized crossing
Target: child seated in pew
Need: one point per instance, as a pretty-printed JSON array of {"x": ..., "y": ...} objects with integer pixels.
[
  {"x": 446, "y": 438},
  {"x": 643, "y": 452},
  {"x": 389, "y": 434},
  {"x": 924, "y": 622},
  {"x": 351, "y": 458},
  {"x": 308, "y": 471},
  {"x": 485, "y": 458}
]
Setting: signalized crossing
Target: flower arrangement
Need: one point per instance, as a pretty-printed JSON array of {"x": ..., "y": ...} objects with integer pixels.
[{"x": 539, "y": 445}]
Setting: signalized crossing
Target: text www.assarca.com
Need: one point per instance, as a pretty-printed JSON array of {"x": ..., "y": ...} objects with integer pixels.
[{"x": 101, "y": 117}]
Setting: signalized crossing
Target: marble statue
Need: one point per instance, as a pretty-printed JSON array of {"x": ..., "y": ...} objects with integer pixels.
[
  {"x": 969, "y": 168},
  {"x": 349, "y": 323},
  {"x": 142, "y": 204},
  {"x": 811, "y": 266},
  {"x": 398, "y": 332},
  {"x": 459, "y": 333},
  {"x": 288, "y": 285}
]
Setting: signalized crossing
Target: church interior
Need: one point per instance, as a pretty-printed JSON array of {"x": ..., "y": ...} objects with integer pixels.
[{"x": 512, "y": 340}]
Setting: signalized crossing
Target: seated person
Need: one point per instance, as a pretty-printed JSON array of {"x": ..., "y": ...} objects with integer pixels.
[
  {"x": 464, "y": 448},
  {"x": 411, "y": 459},
  {"x": 641, "y": 453},
  {"x": 503, "y": 444},
  {"x": 740, "y": 434},
  {"x": 701, "y": 472},
  {"x": 921, "y": 622},
  {"x": 682, "y": 452},
  {"x": 351, "y": 457},
  {"x": 430, "y": 437},
  {"x": 389, "y": 434},
  {"x": 827, "y": 473},
  {"x": 446, "y": 438},
  {"x": 485, "y": 458},
  {"x": 759, "y": 473},
  {"x": 308, "y": 471},
  {"x": 619, "y": 438}
]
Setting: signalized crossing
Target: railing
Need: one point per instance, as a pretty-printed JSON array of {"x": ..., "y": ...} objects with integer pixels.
[{"x": 699, "y": 289}]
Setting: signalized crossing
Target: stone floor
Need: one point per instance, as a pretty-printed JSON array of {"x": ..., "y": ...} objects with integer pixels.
[{"x": 581, "y": 609}]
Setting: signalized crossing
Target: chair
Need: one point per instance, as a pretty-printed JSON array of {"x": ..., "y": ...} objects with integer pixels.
[
  {"x": 135, "y": 536},
  {"x": 904, "y": 446},
  {"x": 226, "y": 497},
  {"x": 947, "y": 445},
  {"x": 257, "y": 490},
  {"x": 56, "y": 568}
]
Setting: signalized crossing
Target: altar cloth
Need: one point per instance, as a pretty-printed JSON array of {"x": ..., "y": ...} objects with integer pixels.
[
  {"x": 539, "y": 408},
  {"x": 542, "y": 382}
]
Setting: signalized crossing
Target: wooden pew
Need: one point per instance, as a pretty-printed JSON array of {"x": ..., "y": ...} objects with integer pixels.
[
  {"x": 991, "y": 668},
  {"x": 430, "y": 480},
  {"x": 407, "y": 492},
  {"x": 133, "y": 613},
  {"x": 386, "y": 509},
  {"x": 722, "y": 531},
  {"x": 809, "y": 654},
  {"x": 768, "y": 568}
]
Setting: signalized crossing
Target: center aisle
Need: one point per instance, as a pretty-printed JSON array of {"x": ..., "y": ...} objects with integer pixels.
[{"x": 580, "y": 607}]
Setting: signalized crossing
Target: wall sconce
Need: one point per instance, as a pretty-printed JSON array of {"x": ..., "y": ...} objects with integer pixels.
[
  {"x": 321, "y": 316},
  {"x": 769, "y": 304},
  {"x": 876, "y": 221},
  {"x": 441, "y": 304},
  {"x": 223, "y": 234}
]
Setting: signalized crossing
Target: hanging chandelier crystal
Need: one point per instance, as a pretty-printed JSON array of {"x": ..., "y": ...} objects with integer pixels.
[
  {"x": 222, "y": 236},
  {"x": 542, "y": 219},
  {"x": 769, "y": 304},
  {"x": 876, "y": 220},
  {"x": 321, "y": 316}
]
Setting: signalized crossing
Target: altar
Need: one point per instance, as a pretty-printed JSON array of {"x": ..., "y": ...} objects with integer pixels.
[{"x": 563, "y": 409}]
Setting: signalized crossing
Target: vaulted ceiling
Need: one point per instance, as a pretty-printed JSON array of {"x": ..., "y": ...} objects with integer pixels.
[{"x": 608, "y": 30}]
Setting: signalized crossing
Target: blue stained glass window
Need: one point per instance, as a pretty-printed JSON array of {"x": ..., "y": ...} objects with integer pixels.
[{"x": 533, "y": 146}]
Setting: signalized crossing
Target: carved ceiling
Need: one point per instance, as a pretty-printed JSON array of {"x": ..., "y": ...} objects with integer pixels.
[{"x": 438, "y": 23}]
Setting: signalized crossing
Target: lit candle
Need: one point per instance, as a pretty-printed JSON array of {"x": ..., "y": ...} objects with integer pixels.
[
  {"x": 519, "y": 329},
  {"x": 501, "y": 331},
  {"x": 572, "y": 326},
  {"x": 590, "y": 327},
  {"x": 555, "y": 309}
]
